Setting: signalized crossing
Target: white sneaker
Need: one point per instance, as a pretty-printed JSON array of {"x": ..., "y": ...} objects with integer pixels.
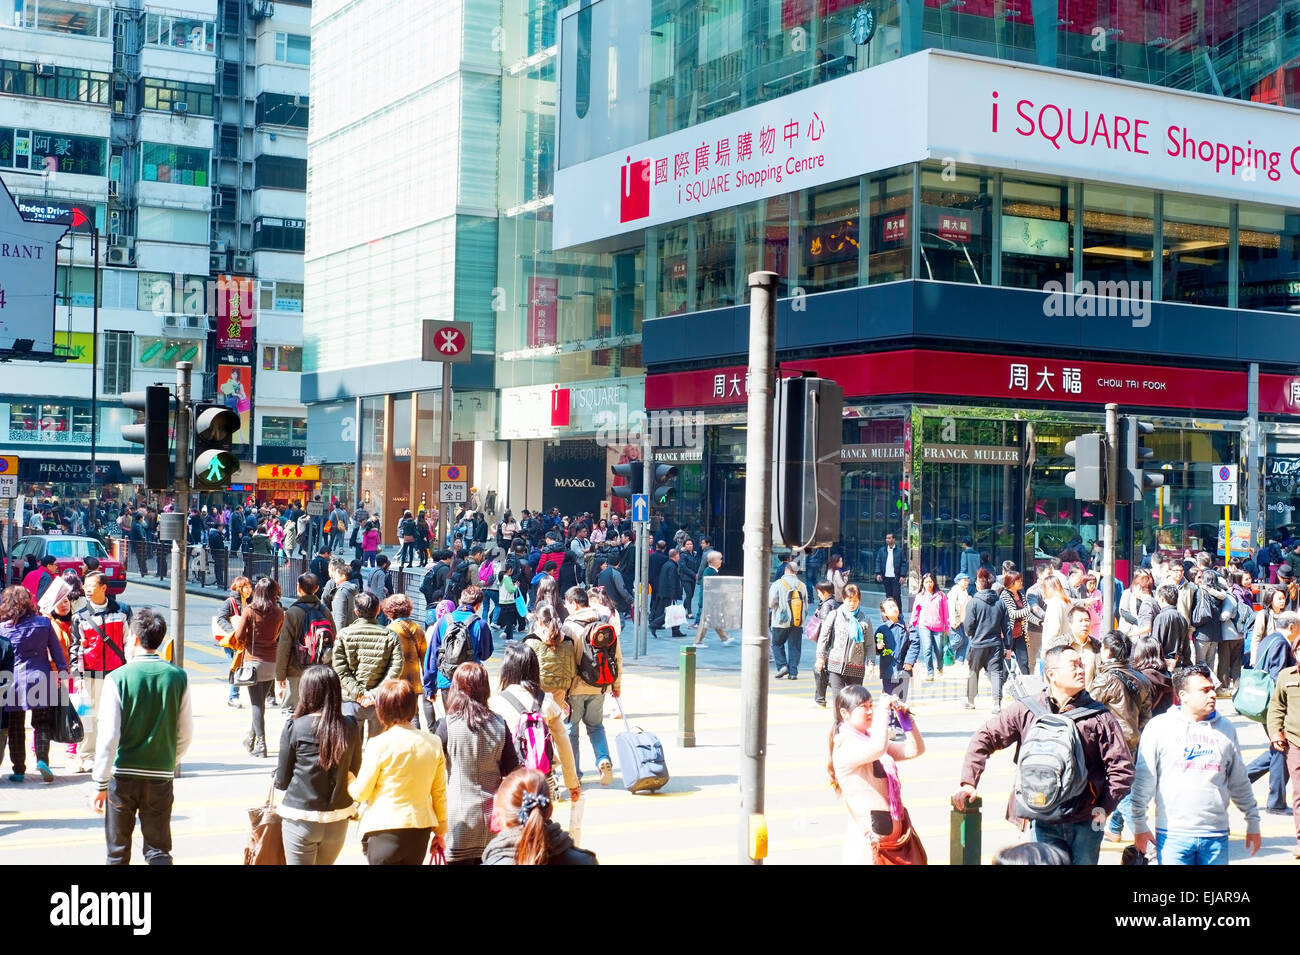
[{"x": 606, "y": 772}]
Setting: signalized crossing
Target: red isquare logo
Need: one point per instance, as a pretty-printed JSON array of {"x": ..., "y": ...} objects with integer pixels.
[{"x": 634, "y": 191}]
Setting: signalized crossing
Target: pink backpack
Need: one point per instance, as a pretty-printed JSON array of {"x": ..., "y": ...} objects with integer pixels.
[{"x": 485, "y": 574}]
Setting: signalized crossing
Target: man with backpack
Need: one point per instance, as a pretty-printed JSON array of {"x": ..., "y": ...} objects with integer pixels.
[
  {"x": 434, "y": 584},
  {"x": 380, "y": 582},
  {"x": 1073, "y": 763},
  {"x": 346, "y": 591},
  {"x": 600, "y": 668},
  {"x": 787, "y": 599},
  {"x": 1189, "y": 763},
  {"x": 1206, "y": 614},
  {"x": 464, "y": 573},
  {"x": 306, "y": 638},
  {"x": 459, "y": 637}
]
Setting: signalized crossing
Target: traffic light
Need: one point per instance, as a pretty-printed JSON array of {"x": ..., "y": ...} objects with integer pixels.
[
  {"x": 663, "y": 490},
  {"x": 214, "y": 432},
  {"x": 154, "y": 465},
  {"x": 1134, "y": 482},
  {"x": 806, "y": 462},
  {"x": 633, "y": 475},
  {"x": 1089, "y": 475}
]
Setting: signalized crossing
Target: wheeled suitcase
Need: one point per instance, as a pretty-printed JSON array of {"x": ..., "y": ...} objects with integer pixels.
[{"x": 640, "y": 758}]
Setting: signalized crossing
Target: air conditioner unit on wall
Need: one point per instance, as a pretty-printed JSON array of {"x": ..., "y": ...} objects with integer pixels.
[
  {"x": 242, "y": 263},
  {"x": 171, "y": 321},
  {"x": 180, "y": 107},
  {"x": 121, "y": 255},
  {"x": 44, "y": 69},
  {"x": 217, "y": 262},
  {"x": 196, "y": 321}
]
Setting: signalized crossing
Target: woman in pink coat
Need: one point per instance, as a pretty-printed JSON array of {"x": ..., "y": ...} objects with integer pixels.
[
  {"x": 930, "y": 621},
  {"x": 863, "y": 768}
]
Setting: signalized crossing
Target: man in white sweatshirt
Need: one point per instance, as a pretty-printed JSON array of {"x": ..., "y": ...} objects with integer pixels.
[{"x": 1189, "y": 762}]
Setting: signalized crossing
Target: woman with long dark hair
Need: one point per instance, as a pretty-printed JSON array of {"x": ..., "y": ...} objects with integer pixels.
[
  {"x": 1018, "y": 615},
  {"x": 232, "y": 608},
  {"x": 320, "y": 752},
  {"x": 930, "y": 623},
  {"x": 258, "y": 633},
  {"x": 521, "y": 692},
  {"x": 528, "y": 836},
  {"x": 480, "y": 753},
  {"x": 862, "y": 766},
  {"x": 403, "y": 779},
  {"x": 39, "y": 669}
]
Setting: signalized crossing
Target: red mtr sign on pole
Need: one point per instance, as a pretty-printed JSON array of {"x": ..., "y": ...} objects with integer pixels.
[{"x": 446, "y": 341}]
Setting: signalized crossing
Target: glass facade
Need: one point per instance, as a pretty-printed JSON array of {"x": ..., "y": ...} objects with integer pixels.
[{"x": 642, "y": 69}]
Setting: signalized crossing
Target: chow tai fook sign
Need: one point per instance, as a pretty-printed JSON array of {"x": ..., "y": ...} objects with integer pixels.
[
  {"x": 945, "y": 106},
  {"x": 961, "y": 375},
  {"x": 1279, "y": 394}
]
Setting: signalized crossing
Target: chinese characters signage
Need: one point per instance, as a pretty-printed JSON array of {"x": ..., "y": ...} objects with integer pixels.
[
  {"x": 1279, "y": 394},
  {"x": 288, "y": 472},
  {"x": 956, "y": 375},
  {"x": 234, "y": 307},
  {"x": 53, "y": 152},
  {"x": 543, "y": 324}
]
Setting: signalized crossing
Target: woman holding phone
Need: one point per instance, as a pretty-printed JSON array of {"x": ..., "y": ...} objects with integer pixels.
[{"x": 863, "y": 768}]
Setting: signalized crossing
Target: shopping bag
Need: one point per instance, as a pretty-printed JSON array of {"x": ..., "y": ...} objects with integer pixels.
[
  {"x": 67, "y": 727},
  {"x": 674, "y": 616}
]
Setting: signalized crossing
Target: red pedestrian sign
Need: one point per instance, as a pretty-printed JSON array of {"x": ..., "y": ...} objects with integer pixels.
[{"x": 446, "y": 341}]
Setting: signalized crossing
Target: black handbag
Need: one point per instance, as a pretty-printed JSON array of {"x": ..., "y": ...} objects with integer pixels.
[
  {"x": 244, "y": 675},
  {"x": 67, "y": 726}
]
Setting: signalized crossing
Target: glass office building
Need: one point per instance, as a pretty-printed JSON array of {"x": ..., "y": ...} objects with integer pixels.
[{"x": 978, "y": 280}]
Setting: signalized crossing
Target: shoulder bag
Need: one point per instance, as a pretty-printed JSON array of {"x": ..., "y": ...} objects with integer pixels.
[{"x": 266, "y": 841}]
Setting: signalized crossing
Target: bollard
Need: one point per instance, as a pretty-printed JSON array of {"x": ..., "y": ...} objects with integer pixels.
[
  {"x": 686, "y": 700},
  {"x": 964, "y": 834}
]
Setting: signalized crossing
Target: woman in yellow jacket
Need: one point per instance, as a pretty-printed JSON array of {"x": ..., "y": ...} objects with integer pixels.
[{"x": 403, "y": 778}]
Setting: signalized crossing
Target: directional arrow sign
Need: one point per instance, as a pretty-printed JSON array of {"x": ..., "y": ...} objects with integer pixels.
[
  {"x": 640, "y": 508},
  {"x": 446, "y": 341}
]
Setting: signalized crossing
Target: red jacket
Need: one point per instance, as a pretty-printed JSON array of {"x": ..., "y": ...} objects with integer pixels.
[{"x": 103, "y": 637}]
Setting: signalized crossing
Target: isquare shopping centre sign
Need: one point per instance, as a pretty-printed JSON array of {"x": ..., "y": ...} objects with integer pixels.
[
  {"x": 936, "y": 105},
  {"x": 27, "y": 277}
]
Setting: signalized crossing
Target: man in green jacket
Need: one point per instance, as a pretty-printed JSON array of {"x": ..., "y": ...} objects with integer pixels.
[
  {"x": 365, "y": 655},
  {"x": 145, "y": 727}
]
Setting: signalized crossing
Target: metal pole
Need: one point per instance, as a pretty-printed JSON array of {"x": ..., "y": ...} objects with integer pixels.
[
  {"x": 181, "y": 492},
  {"x": 758, "y": 559},
  {"x": 643, "y": 551},
  {"x": 1108, "y": 530},
  {"x": 1252, "y": 463},
  {"x": 444, "y": 452},
  {"x": 639, "y": 612},
  {"x": 686, "y": 698},
  {"x": 94, "y": 357}
]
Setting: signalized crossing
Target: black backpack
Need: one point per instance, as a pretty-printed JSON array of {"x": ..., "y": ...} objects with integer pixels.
[
  {"x": 457, "y": 646},
  {"x": 1205, "y": 608},
  {"x": 598, "y": 664},
  {"x": 1050, "y": 771},
  {"x": 457, "y": 581}
]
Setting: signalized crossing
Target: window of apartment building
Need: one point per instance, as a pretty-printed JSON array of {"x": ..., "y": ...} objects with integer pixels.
[
  {"x": 230, "y": 79},
  {"x": 58, "y": 152},
  {"x": 829, "y": 230},
  {"x": 292, "y": 48},
  {"x": 279, "y": 109},
  {"x": 117, "y": 362},
  {"x": 285, "y": 235},
  {"x": 68, "y": 17},
  {"x": 118, "y": 288},
  {"x": 280, "y": 172},
  {"x": 892, "y": 226},
  {"x": 281, "y": 358},
  {"x": 1196, "y": 242},
  {"x": 80, "y": 86},
  {"x": 1268, "y": 244},
  {"x": 281, "y": 296},
  {"x": 173, "y": 225},
  {"x": 182, "y": 165},
  {"x": 74, "y": 286},
  {"x": 715, "y": 259},
  {"x": 1117, "y": 234},
  {"x": 56, "y": 423},
  {"x": 955, "y": 226},
  {"x": 165, "y": 94},
  {"x": 180, "y": 32},
  {"x": 283, "y": 431},
  {"x": 168, "y": 292},
  {"x": 1037, "y": 238}
]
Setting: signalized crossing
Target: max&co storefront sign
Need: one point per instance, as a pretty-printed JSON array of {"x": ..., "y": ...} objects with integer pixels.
[{"x": 962, "y": 375}]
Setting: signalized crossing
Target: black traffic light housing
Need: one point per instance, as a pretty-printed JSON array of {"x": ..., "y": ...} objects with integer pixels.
[
  {"x": 663, "y": 491},
  {"x": 214, "y": 462},
  {"x": 633, "y": 475},
  {"x": 806, "y": 462},
  {"x": 1134, "y": 481},
  {"x": 154, "y": 467},
  {"x": 1089, "y": 475}
]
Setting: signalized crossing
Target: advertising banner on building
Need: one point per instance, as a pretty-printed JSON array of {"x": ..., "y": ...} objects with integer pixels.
[
  {"x": 235, "y": 390},
  {"x": 960, "y": 375},
  {"x": 1279, "y": 394},
  {"x": 543, "y": 322},
  {"x": 963, "y": 110},
  {"x": 234, "y": 306},
  {"x": 27, "y": 275}
]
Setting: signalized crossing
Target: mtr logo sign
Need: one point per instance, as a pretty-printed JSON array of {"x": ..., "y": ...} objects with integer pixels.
[{"x": 634, "y": 191}]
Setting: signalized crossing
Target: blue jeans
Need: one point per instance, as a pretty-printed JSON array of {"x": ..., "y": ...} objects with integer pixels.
[
  {"x": 958, "y": 643},
  {"x": 234, "y": 690},
  {"x": 787, "y": 647},
  {"x": 1175, "y": 849},
  {"x": 1275, "y": 763},
  {"x": 1079, "y": 839},
  {"x": 931, "y": 642},
  {"x": 490, "y": 601},
  {"x": 588, "y": 709}
]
